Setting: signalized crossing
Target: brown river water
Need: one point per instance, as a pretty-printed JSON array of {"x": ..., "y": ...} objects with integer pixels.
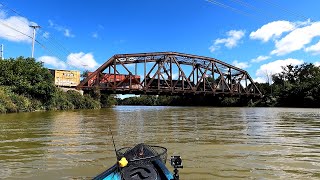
[{"x": 214, "y": 143}]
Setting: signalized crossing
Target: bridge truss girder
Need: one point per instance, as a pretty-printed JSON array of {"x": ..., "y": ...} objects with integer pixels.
[{"x": 170, "y": 73}]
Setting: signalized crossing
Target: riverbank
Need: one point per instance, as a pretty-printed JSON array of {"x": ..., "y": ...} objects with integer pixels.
[
  {"x": 11, "y": 102},
  {"x": 26, "y": 86}
]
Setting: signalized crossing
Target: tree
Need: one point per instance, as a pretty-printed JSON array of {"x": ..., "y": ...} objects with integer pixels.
[
  {"x": 27, "y": 77},
  {"x": 299, "y": 85}
]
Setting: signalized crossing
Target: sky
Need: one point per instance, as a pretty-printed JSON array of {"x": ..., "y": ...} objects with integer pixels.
[{"x": 258, "y": 36}]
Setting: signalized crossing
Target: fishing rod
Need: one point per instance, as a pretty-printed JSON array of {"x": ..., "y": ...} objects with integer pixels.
[
  {"x": 114, "y": 144},
  {"x": 120, "y": 162}
]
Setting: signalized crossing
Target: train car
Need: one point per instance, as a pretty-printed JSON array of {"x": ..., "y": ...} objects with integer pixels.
[
  {"x": 66, "y": 78},
  {"x": 124, "y": 78}
]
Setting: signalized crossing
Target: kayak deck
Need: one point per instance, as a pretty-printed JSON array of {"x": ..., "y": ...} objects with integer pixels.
[{"x": 144, "y": 162}]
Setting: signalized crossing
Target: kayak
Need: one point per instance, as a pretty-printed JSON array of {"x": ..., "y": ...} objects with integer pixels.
[{"x": 140, "y": 162}]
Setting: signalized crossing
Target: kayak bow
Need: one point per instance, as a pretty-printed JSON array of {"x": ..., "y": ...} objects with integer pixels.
[{"x": 141, "y": 162}]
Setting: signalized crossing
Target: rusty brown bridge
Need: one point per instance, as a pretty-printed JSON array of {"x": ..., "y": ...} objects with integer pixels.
[{"x": 169, "y": 73}]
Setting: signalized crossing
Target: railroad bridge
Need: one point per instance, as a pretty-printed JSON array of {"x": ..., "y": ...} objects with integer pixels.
[{"x": 169, "y": 73}]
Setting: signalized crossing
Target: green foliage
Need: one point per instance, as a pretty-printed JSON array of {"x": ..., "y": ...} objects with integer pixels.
[
  {"x": 23, "y": 103},
  {"x": 295, "y": 86},
  {"x": 76, "y": 99},
  {"x": 71, "y": 100},
  {"x": 6, "y": 104},
  {"x": 25, "y": 85},
  {"x": 82, "y": 102},
  {"x": 149, "y": 100},
  {"x": 95, "y": 93},
  {"x": 59, "y": 101},
  {"x": 91, "y": 103},
  {"x": 27, "y": 77},
  {"x": 229, "y": 101},
  {"x": 107, "y": 100},
  {"x": 85, "y": 74},
  {"x": 146, "y": 100}
]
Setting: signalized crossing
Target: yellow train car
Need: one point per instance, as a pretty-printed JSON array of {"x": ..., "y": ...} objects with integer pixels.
[{"x": 66, "y": 78}]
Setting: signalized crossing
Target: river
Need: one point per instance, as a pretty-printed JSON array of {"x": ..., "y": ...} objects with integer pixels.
[{"x": 214, "y": 143}]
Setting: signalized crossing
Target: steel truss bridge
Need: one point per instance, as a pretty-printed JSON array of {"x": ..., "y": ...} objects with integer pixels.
[{"x": 169, "y": 73}]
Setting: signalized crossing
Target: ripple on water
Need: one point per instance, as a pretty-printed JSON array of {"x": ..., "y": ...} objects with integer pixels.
[{"x": 215, "y": 143}]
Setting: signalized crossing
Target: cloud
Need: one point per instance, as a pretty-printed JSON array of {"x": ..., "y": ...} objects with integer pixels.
[
  {"x": 2, "y": 14},
  {"x": 260, "y": 58},
  {"x": 100, "y": 26},
  {"x": 9, "y": 30},
  {"x": 260, "y": 80},
  {"x": 314, "y": 49},
  {"x": 213, "y": 48},
  {"x": 53, "y": 61},
  {"x": 95, "y": 35},
  {"x": 231, "y": 41},
  {"x": 272, "y": 30},
  {"x": 66, "y": 32},
  {"x": 317, "y": 63},
  {"x": 275, "y": 67},
  {"x": 46, "y": 35},
  {"x": 82, "y": 60},
  {"x": 175, "y": 75},
  {"x": 79, "y": 60},
  {"x": 241, "y": 65},
  {"x": 297, "y": 39}
]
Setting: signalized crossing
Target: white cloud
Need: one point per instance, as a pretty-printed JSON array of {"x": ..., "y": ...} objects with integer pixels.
[
  {"x": 79, "y": 60},
  {"x": 46, "y": 35},
  {"x": 317, "y": 63},
  {"x": 260, "y": 80},
  {"x": 82, "y": 60},
  {"x": 297, "y": 39},
  {"x": 231, "y": 41},
  {"x": 95, "y": 35},
  {"x": 213, "y": 48},
  {"x": 53, "y": 61},
  {"x": 175, "y": 75},
  {"x": 272, "y": 30},
  {"x": 9, "y": 30},
  {"x": 275, "y": 67},
  {"x": 260, "y": 58},
  {"x": 241, "y": 65},
  {"x": 314, "y": 49},
  {"x": 66, "y": 32}
]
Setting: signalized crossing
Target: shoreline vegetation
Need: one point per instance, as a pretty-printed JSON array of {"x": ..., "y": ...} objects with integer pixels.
[{"x": 26, "y": 86}]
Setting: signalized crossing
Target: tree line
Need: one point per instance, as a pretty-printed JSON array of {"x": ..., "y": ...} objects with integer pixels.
[
  {"x": 295, "y": 86},
  {"x": 26, "y": 85}
]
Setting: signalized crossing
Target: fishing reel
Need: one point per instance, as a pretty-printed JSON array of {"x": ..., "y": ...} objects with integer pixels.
[{"x": 176, "y": 163}]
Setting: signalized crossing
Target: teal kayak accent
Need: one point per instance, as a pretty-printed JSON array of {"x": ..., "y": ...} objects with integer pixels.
[{"x": 140, "y": 162}]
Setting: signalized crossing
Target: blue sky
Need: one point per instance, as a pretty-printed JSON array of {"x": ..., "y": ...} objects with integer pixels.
[{"x": 259, "y": 36}]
